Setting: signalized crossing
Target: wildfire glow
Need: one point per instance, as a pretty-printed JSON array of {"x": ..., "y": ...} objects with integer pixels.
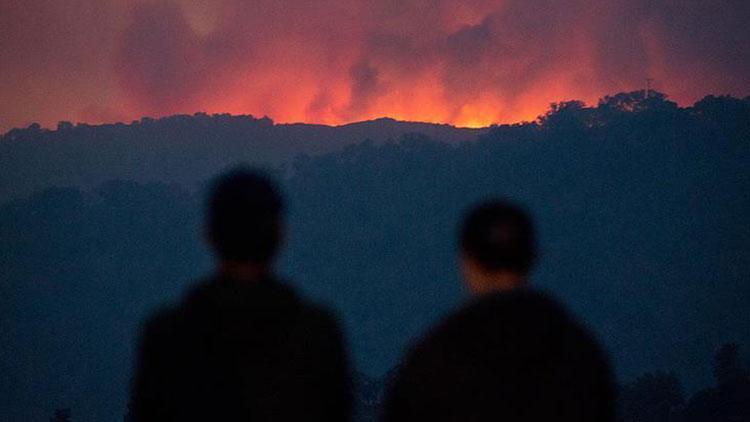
[{"x": 339, "y": 61}]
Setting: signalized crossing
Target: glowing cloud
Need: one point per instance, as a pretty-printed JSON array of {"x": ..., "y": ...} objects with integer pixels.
[{"x": 337, "y": 61}]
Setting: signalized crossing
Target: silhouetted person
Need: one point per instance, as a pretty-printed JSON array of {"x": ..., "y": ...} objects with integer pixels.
[
  {"x": 511, "y": 354},
  {"x": 242, "y": 345}
]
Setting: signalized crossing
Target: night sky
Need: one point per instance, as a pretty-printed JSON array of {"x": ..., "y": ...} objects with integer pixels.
[{"x": 468, "y": 63}]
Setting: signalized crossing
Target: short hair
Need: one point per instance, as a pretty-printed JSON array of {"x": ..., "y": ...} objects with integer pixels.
[
  {"x": 244, "y": 216},
  {"x": 500, "y": 236}
]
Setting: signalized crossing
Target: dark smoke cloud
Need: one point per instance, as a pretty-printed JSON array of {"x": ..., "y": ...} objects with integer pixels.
[
  {"x": 334, "y": 61},
  {"x": 161, "y": 62}
]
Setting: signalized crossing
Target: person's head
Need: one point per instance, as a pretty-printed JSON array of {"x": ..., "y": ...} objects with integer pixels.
[
  {"x": 244, "y": 218},
  {"x": 497, "y": 247}
]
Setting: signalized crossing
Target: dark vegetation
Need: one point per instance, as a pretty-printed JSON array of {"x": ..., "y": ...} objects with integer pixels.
[
  {"x": 183, "y": 149},
  {"x": 659, "y": 396},
  {"x": 641, "y": 207},
  {"x": 652, "y": 397}
]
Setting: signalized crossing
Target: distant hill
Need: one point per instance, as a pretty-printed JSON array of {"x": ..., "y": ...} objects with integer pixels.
[{"x": 180, "y": 149}]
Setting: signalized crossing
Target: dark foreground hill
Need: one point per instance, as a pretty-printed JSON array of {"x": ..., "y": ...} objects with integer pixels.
[{"x": 642, "y": 209}]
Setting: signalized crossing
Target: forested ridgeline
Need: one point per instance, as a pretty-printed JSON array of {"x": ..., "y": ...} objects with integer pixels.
[{"x": 641, "y": 208}]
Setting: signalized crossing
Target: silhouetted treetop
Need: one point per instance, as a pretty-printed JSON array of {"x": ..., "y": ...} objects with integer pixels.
[
  {"x": 727, "y": 364},
  {"x": 653, "y": 397}
]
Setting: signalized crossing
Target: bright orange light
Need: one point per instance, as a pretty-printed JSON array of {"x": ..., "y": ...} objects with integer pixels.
[{"x": 335, "y": 62}]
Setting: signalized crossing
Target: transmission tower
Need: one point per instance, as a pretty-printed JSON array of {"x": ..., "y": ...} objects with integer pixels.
[{"x": 648, "y": 87}]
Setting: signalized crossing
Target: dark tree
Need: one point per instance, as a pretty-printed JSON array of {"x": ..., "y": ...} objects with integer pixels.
[
  {"x": 571, "y": 115},
  {"x": 637, "y": 101},
  {"x": 654, "y": 397},
  {"x": 729, "y": 401},
  {"x": 727, "y": 365}
]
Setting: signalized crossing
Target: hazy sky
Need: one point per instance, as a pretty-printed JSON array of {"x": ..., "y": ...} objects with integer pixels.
[{"x": 471, "y": 62}]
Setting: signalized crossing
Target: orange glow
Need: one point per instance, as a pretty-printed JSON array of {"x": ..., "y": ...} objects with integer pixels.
[
  {"x": 471, "y": 63},
  {"x": 289, "y": 96}
]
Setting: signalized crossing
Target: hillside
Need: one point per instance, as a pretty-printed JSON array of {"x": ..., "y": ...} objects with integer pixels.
[
  {"x": 642, "y": 209},
  {"x": 179, "y": 149}
]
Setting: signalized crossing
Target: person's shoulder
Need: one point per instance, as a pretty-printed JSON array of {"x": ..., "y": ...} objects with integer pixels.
[
  {"x": 319, "y": 316},
  {"x": 517, "y": 300},
  {"x": 316, "y": 328},
  {"x": 159, "y": 331},
  {"x": 164, "y": 319},
  {"x": 168, "y": 316},
  {"x": 222, "y": 296},
  {"x": 536, "y": 318},
  {"x": 495, "y": 318},
  {"x": 312, "y": 312},
  {"x": 517, "y": 307}
]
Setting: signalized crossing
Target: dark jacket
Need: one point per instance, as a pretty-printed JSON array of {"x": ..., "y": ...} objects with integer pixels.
[
  {"x": 515, "y": 356},
  {"x": 241, "y": 351}
]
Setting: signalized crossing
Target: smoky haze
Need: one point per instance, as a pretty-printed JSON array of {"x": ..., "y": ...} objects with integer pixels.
[{"x": 337, "y": 61}]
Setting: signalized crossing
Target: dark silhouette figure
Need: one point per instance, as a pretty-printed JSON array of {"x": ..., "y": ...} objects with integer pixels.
[
  {"x": 242, "y": 345},
  {"x": 511, "y": 354}
]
